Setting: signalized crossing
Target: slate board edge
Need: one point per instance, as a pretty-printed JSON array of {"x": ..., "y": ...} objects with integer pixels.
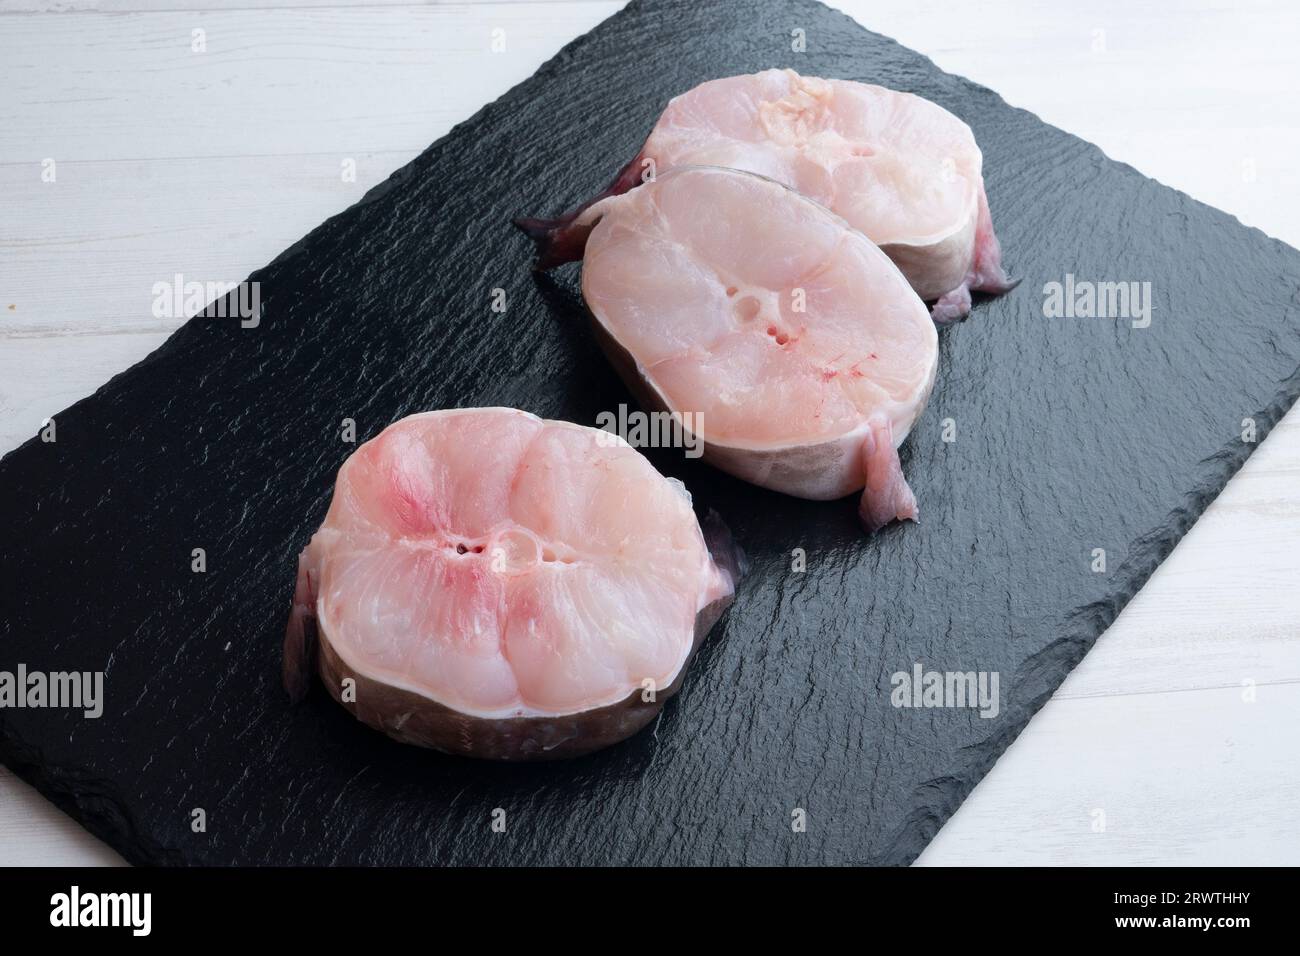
[
  {"x": 94, "y": 804},
  {"x": 1040, "y": 675},
  {"x": 1048, "y": 668}
]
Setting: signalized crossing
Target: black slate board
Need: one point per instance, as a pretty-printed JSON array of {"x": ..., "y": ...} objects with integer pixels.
[{"x": 1072, "y": 434}]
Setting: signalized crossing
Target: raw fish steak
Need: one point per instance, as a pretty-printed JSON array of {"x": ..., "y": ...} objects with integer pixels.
[
  {"x": 783, "y": 337},
  {"x": 898, "y": 167},
  {"x": 495, "y": 585}
]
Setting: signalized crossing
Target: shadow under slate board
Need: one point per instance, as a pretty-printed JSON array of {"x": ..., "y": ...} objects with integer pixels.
[{"x": 1071, "y": 435}]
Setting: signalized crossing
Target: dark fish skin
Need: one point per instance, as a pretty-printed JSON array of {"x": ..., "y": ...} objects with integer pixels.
[
  {"x": 561, "y": 240},
  {"x": 415, "y": 719}
]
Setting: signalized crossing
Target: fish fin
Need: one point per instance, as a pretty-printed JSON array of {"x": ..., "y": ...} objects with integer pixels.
[
  {"x": 951, "y": 306},
  {"x": 558, "y": 240},
  {"x": 726, "y": 554},
  {"x": 985, "y": 274},
  {"x": 886, "y": 496},
  {"x": 300, "y": 635},
  {"x": 564, "y": 239}
]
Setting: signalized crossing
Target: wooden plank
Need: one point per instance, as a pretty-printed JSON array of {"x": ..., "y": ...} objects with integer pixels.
[
  {"x": 37, "y": 833},
  {"x": 1177, "y": 776},
  {"x": 1197, "y": 95},
  {"x": 227, "y": 6},
  {"x": 70, "y": 368},
  {"x": 217, "y": 218},
  {"x": 331, "y": 80},
  {"x": 83, "y": 254}
]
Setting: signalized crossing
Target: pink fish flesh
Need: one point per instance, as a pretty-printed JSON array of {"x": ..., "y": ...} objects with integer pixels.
[
  {"x": 899, "y": 168},
  {"x": 784, "y": 338},
  {"x": 491, "y": 584}
]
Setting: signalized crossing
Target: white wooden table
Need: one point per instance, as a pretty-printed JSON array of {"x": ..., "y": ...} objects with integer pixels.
[{"x": 169, "y": 159}]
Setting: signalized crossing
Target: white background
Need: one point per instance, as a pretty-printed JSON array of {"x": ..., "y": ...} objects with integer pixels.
[{"x": 208, "y": 164}]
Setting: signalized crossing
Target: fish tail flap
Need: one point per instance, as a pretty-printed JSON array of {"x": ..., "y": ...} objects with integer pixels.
[
  {"x": 887, "y": 496},
  {"x": 300, "y": 633}
]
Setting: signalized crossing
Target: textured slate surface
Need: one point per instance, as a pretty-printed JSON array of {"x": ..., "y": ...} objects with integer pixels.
[{"x": 1072, "y": 434}]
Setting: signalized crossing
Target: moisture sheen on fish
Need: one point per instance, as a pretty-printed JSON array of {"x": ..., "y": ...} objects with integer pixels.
[
  {"x": 790, "y": 344},
  {"x": 899, "y": 168},
  {"x": 497, "y": 585}
]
